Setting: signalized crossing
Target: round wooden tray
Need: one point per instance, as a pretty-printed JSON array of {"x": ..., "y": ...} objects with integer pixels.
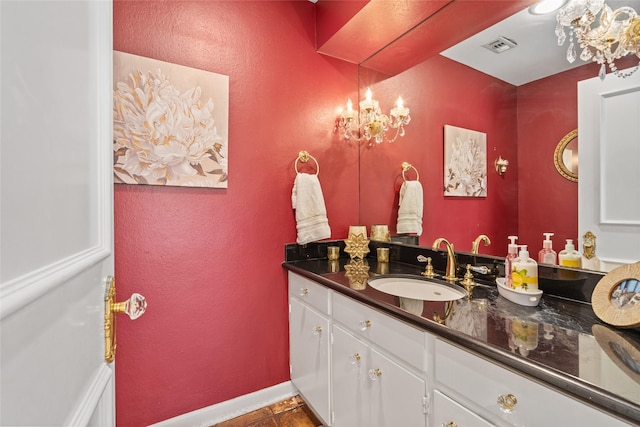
[{"x": 612, "y": 301}]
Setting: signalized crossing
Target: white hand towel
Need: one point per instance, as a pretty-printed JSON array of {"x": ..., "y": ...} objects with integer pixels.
[
  {"x": 311, "y": 213},
  {"x": 410, "y": 210}
]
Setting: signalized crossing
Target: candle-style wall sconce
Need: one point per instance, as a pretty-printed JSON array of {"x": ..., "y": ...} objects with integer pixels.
[{"x": 501, "y": 165}]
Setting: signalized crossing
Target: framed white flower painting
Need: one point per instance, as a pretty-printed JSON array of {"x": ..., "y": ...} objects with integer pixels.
[
  {"x": 465, "y": 162},
  {"x": 170, "y": 124}
]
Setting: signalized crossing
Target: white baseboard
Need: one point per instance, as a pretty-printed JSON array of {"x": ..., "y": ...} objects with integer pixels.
[{"x": 232, "y": 408}]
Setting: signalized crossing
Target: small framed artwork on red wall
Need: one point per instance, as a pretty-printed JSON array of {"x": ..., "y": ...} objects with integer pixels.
[
  {"x": 465, "y": 162},
  {"x": 170, "y": 124}
]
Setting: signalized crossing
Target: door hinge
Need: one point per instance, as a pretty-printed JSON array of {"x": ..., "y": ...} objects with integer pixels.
[{"x": 425, "y": 404}]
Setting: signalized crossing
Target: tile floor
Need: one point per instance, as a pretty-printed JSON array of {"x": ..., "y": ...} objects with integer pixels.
[{"x": 292, "y": 412}]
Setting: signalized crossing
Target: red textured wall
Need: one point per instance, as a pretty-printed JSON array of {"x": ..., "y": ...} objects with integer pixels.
[
  {"x": 442, "y": 92},
  {"x": 208, "y": 260},
  {"x": 547, "y": 111}
]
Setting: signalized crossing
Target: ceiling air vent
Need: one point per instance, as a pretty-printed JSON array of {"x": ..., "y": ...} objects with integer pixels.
[{"x": 500, "y": 45}]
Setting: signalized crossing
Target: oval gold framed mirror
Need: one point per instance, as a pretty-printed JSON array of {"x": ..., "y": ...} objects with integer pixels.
[{"x": 565, "y": 158}]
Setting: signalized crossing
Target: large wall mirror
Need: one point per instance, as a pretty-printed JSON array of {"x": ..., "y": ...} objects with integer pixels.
[{"x": 525, "y": 105}]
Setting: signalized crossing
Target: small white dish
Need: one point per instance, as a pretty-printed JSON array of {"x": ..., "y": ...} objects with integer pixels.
[{"x": 530, "y": 299}]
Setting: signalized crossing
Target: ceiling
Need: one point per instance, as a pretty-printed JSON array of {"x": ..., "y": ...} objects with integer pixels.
[{"x": 536, "y": 55}]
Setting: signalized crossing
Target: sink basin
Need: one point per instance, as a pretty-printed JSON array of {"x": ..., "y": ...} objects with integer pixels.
[{"x": 416, "y": 288}]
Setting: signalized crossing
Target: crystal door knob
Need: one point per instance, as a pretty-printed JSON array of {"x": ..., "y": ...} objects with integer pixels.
[
  {"x": 365, "y": 324},
  {"x": 303, "y": 291},
  {"x": 317, "y": 330},
  {"x": 134, "y": 307}
]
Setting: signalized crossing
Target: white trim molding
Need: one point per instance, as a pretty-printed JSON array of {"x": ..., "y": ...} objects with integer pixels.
[
  {"x": 22, "y": 290},
  {"x": 98, "y": 402},
  {"x": 232, "y": 408}
]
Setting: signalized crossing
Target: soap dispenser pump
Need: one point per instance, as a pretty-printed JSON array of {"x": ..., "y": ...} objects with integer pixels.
[
  {"x": 512, "y": 253},
  {"x": 524, "y": 276},
  {"x": 547, "y": 255},
  {"x": 569, "y": 257}
]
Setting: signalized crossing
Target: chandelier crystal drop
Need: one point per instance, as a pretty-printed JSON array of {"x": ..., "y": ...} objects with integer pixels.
[
  {"x": 603, "y": 35},
  {"x": 370, "y": 123}
]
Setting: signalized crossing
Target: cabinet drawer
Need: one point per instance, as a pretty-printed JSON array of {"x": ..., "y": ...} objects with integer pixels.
[
  {"x": 309, "y": 292},
  {"x": 447, "y": 412},
  {"x": 480, "y": 383},
  {"x": 401, "y": 339}
]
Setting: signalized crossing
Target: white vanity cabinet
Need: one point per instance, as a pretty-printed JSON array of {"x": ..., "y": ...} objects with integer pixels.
[
  {"x": 378, "y": 375},
  {"x": 478, "y": 385},
  {"x": 358, "y": 366},
  {"x": 309, "y": 337}
]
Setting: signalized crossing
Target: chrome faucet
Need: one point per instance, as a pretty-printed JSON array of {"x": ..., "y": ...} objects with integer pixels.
[
  {"x": 476, "y": 243},
  {"x": 450, "y": 274}
]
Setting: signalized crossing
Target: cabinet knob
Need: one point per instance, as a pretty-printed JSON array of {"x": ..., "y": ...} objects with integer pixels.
[
  {"x": 449, "y": 424},
  {"x": 317, "y": 330},
  {"x": 303, "y": 292},
  {"x": 355, "y": 358},
  {"x": 507, "y": 402},
  {"x": 374, "y": 374},
  {"x": 365, "y": 324}
]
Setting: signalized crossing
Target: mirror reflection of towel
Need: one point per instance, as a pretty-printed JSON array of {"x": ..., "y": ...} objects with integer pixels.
[
  {"x": 311, "y": 214},
  {"x": 410, "y": 210}
]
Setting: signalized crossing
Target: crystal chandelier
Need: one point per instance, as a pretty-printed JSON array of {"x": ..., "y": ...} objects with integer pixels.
[
  {"x": 370, "y": 122},
  {"x": 604, "y": 35}
]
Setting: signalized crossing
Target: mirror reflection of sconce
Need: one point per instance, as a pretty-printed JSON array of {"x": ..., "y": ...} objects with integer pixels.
[
  {"x": 370, "y": 122},
  {"x": 501, "y": 165}
]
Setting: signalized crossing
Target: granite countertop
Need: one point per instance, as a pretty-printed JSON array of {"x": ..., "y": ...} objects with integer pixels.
[{"x": 560, "y": 343}]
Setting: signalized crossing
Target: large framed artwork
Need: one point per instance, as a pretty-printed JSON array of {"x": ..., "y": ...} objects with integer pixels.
[
  {"x": 465, "y": 162},
  {"x": 170, "y": 124}
]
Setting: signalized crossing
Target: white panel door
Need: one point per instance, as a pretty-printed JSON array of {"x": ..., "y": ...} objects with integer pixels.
[
  {"x": 56, "y": 217},
  {"x": 609, "y": 168}
]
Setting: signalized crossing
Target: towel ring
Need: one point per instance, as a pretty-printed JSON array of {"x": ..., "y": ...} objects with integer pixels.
[
  {"x": 405, "y": 167},
  {"x": 304, "y": 157}
]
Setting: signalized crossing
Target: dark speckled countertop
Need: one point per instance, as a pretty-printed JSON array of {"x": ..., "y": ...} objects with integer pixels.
[{"x": 560, "y": 343}]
